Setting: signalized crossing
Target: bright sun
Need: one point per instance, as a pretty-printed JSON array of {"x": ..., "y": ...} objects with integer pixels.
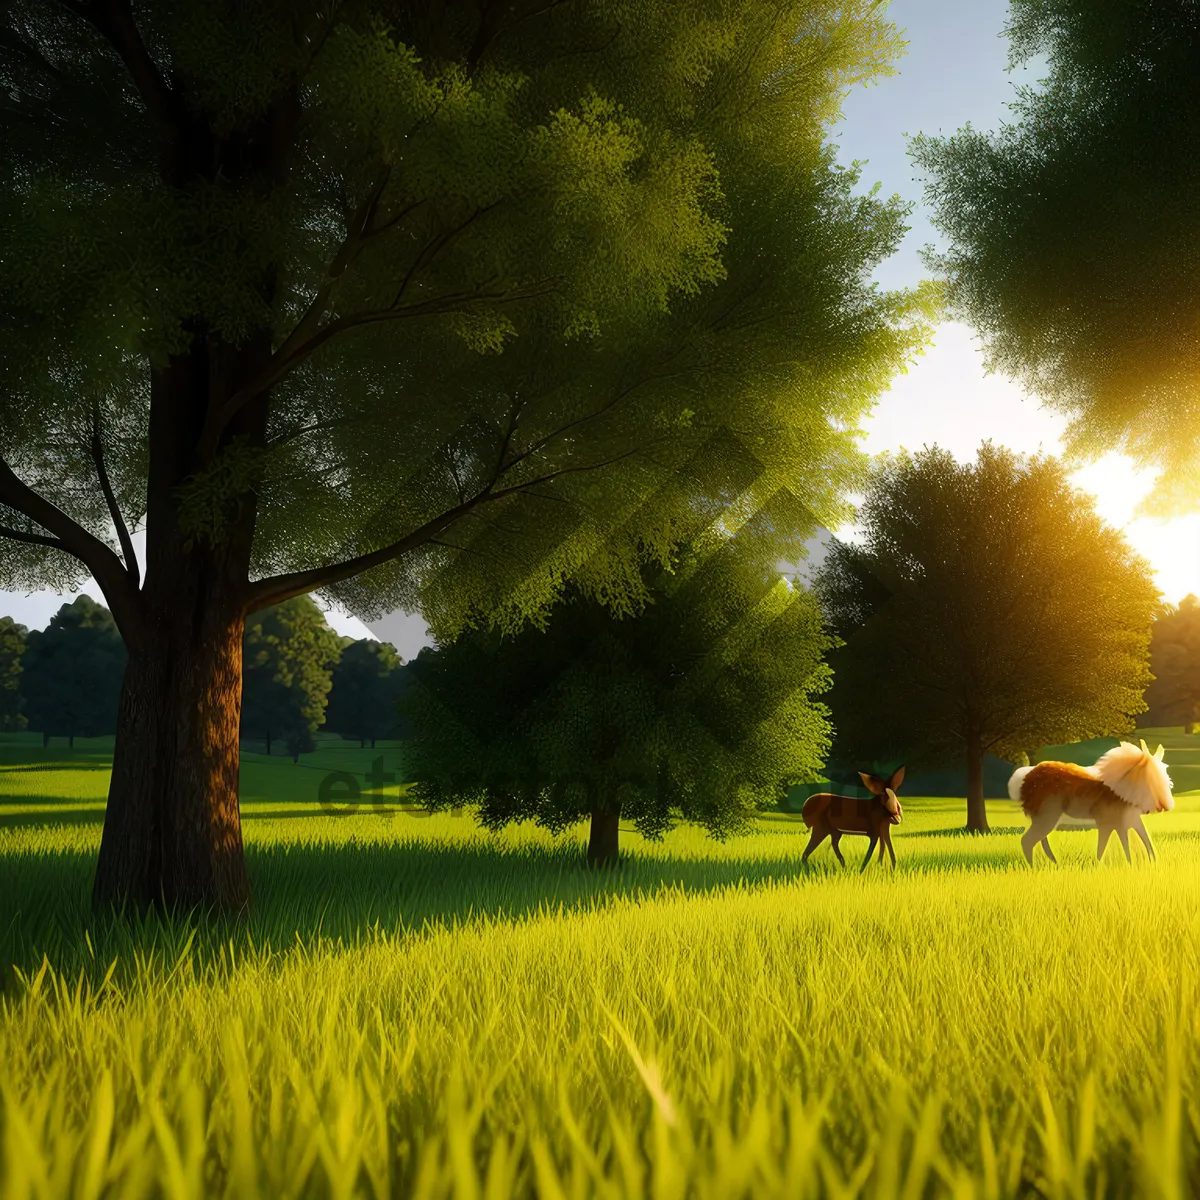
[{"x": 1172, "y": 546}]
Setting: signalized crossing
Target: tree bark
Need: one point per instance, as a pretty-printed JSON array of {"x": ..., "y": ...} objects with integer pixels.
[
  {"x": 172, "y": 830},
  {"x": 605, "y": 835},
  {"x": 977, "y": 821}
]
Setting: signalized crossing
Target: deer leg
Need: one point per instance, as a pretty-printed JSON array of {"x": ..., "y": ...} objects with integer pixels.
[
  {"x": 834, "y": 839},
  {"x": 891, "y": 853},
  {"x": 819, "y": 834},
  {"x": 1045, "y": 844},
  {"x": 1106, "y": 831},
  {"x": 1140, "y": 830},
  {"x": 870, "y": 851}
]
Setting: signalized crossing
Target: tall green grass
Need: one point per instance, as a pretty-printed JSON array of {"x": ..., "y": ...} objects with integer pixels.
[{"x": 416, "y": 1007}]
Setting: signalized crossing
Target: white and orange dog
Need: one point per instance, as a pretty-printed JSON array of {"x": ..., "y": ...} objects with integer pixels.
[{"x": 1125, "y": 784}]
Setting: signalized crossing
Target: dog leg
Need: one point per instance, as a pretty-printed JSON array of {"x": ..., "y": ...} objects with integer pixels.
[
  {"x": 1140, "y": 830},
  {"x": 1040, "y": 827},
  {"x": 1123, "y": 834}
]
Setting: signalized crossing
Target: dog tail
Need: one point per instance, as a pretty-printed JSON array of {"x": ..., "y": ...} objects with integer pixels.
[
  {"x": 814, "y": 806},
  {"x": 1015, "y": 782}
]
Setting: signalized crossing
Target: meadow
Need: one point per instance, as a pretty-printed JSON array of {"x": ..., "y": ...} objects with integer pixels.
[{"x": 417, "y": 1007}]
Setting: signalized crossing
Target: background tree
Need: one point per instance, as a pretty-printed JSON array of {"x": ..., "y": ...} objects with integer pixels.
[
  {"x": 367, "y": 684},
  {"x": 289, "y": 654},
  {"x": 988, "y": 609},
  {"x": 71, "y": 672},
  {"x": 12, "y": 651},
  {"x": 699, "y": 708},
  {"x": 1074, "y": 232},
  {"x": 421, "y": 306},
  {"x": 1173, "y": 697}
]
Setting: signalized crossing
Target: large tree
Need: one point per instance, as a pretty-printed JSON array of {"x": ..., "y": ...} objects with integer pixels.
[
  {"x": 71, "y": 672},
  {"x": 1173, "y": 698},
  {"x": 288, "y": 655},
  {"x": 12, "y": 650},
  {"x": 428, "y": 305},
  {"x": 986, "y": 609},
  {"x": 1074, "y": 231},
  {"x": 368, "y": 680},
  {"x": 701, "y": 707}
]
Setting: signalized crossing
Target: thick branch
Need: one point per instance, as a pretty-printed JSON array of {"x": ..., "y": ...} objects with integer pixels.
[
  {"x": 114, "y": 21},
  {"x": 106, "y": 568},
  {"x": 33, "y": 539},
  {"x": 282, "y": 365},
  {"x": 114, "y": 509},
  {"x": 278, "y": 588}
]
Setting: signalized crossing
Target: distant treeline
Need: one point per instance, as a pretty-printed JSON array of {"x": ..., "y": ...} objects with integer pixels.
[{"x": 300, "y": 676}]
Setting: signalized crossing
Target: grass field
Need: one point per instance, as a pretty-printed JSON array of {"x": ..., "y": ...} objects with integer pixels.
[{"x": 416, "y": 1007}]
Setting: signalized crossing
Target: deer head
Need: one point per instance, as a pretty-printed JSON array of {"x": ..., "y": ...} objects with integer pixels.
[{"x": 886, "y": 790}]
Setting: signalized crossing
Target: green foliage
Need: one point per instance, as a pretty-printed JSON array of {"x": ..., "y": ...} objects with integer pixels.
[
  {"x": 12, "y": 650},
  {"x": 71, "y": 672},
  {"x": 537, "y": 252},
  {"x": 700, "y": 707},
  {"x": 1173, "y": 697},
  {"x": 987, "y": 605},
  {"x": 368, "y": 680},
  {"x": 288, "y": 653},
  {"x": 1075, "y": 231}
]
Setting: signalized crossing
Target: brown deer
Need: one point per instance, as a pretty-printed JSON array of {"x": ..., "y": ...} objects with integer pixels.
[{"x": 829, "y": 816}]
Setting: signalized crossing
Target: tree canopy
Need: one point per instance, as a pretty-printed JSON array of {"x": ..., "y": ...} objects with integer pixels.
[
  {"x": 71, "y": 672},
  {"x": 368, "y": 681},
  {"x": 422, "y": 306},
  {"x": 12, "y": 650},
  {"x": 1074, "y": 231},
  {"x": 702, "y": 707},
  {"x": 289, "y": 655},
  {"x": 987, "y": 609},
  {"x": 1173, "y": 697}
]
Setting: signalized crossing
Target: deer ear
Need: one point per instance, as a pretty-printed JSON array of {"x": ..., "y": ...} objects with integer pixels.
[
  {"x": 891, "y": 803},
  {"x": 1158, "y": 754},
  {"x": 1145, "y": 748},
  {"x": 872, "y": 783},
  {"x": 897, "y": 777}
]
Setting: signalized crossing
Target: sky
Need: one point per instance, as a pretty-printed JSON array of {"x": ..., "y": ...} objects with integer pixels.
[{"x": 953, "y": 72}]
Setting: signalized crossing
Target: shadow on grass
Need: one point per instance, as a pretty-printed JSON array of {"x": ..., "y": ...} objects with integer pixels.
[
  {"x": 89, "y": 763},
  {"x": 961, "y": 831},
  {"x": 305, "y": 891},
  {"x": 346, "y": 892}
]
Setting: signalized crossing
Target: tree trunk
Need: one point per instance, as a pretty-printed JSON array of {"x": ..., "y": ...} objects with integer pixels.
[
  {"x": 977, "y": 821},
  {"x": 268, "y": 743},
  {"x": 172, "y": 830},
  {"x": 45, "y": 740},
  {"x": 605, "y": 834},
  {"x": 70, "y": 741}
]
